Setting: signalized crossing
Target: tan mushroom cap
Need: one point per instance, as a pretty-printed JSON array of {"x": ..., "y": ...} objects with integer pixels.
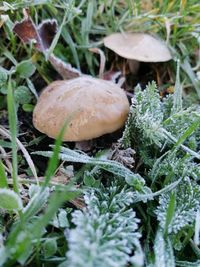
[
  {"x": 138, "y": 46},
  {"x": 93, "y": 107}
]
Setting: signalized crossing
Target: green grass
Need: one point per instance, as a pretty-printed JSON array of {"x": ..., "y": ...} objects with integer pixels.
[{"x": 105, "y": 213}]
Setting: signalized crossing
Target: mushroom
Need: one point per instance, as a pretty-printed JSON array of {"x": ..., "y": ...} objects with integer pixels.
[
  {"x": 94, "y": 107},
  {"x": 137, "y": 47}
]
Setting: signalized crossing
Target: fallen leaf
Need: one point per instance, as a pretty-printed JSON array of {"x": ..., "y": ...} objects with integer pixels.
[
  {"x": 43, "y": 36},
  {"x": 27, "y": 32},
  {"x": 64, "y": 69},
  {"x": 47, "y": 31}
]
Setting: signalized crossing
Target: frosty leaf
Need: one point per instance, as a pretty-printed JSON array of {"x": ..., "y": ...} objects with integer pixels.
[
  {"x": 3, "y": 77},
  {"x": 47, "y": 31},
  {"x": 62, "y": 218},
  {"x": 147, "y": 194},
  {"x": 148, "y": 130},
  {"x": 37, "y": 202},
  {"x": 64, "y": 69},
  {"x": 22, "y": 95},
  {"x": 49, "y": 247},
  {"x": 106, "y": 231},
  {"x": 188, "y": 264},
  {"x": 25, "y": 69},
  {"x": 197, "y": 229},
  {"x": 112, "y": 166},
  {"x": 43, "y": 36},
  {"x": 187, "y": 195},
  {"x": 27, "y": 32},
  {"x": 9, "y": 200},
  {"x": 164, "y": 255},
  {"x": 3, "y": 256},
  {"x": 145, "y": 117},
  {"x": 171, "y": 165},
  {"x": 33, "y": 189}
]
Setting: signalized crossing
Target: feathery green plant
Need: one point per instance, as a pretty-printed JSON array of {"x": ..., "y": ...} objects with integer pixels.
[
  {"x": 147, "y": 130},
  {"x": 106, "y": 232},
  {"x": 167, "y": 140},
  {"x": 186, "y": 205}
]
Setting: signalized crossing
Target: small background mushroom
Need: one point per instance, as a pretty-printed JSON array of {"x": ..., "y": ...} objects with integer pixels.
[{"x": 138, "y": 47}]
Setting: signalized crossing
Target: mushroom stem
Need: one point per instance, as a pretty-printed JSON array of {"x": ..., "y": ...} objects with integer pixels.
[
  {"x": 84, "y": 145},
  {"x": 102, "y": 60},
  {"x": 133, "y": 66}
]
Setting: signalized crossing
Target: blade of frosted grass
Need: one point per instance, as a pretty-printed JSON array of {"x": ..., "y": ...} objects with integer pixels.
[
  {"x": 3, "y": 178},
  {"x": 187, "y": 263},
  {"x": 163, "y": 250},
  {"x": 170, "y": 212},
  {"x": 53, "y": 162},
  {"x": 5, "y": 144},
  {"x": 85, "y": 30},
  {"x": 22, "y": 4},
  {"x": 177, "y": 103},
  {"x": 12, "y": 116},
  {"x": 67, "y": 37},
  {"x": 188, "y": 69},
  {"x": 57, "y": 36},
  {"x": 9, "y": 55},
  {"x": 197, "y": 229},
  {"x": 188, "y": 132},
  {"x": 32, "y": 88}
]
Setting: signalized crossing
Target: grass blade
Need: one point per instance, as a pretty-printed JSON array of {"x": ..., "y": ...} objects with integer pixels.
[
  {"x": 194, "y": 126},
  {"x": 170, "y": 212},
  {"x": 177, "y": 103},
  {"x": 12, "y": 116},
  {"x": 67, "y": 37},
  {"x": 3, "y": 178},
  {"x": 53, "y": 162}
]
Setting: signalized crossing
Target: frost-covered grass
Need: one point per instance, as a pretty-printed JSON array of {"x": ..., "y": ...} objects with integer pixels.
[{"x": 89, "y": 210}]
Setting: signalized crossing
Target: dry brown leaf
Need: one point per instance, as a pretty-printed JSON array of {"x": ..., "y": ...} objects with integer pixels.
[
  {"x": 27, "y": 32},
  {"x": 42, "y": 36}
]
